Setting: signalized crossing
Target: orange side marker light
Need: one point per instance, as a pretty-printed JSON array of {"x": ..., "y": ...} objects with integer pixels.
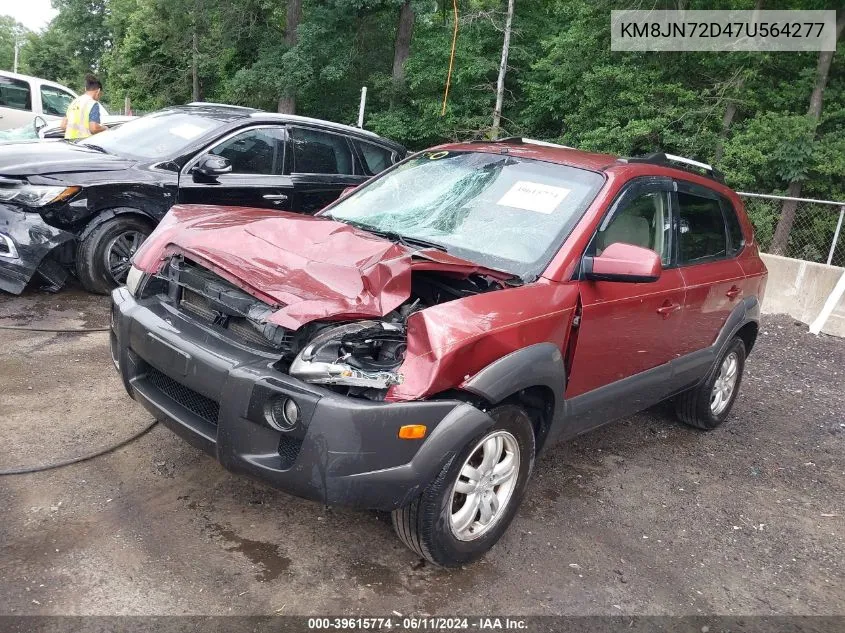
[{"x": 412, "y": 432}]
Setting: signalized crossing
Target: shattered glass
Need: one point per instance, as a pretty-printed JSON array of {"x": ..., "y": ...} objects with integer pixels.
[{"x": 459, "y": 201}]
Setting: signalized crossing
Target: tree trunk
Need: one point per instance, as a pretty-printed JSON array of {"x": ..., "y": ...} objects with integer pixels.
[
  {"x": 730, "y": 109},
  {"x": 503, "y": 69},
  {"x": 287, "y": 102},
  {"x": 727, "y": 120},
  {"x": 402, "y": 46},
  {"x": 195, "y": 77},
  {"x": 787, "y": 214}
]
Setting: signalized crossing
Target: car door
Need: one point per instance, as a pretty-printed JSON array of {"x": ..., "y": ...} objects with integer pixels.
[
  {"x": 626, "y": 334},
  {"x": 321, "y": 165},
  {"x": 15, "y": 103},
  {"x": 713, "y": 277},
  {"x": 257, "y": 179}
]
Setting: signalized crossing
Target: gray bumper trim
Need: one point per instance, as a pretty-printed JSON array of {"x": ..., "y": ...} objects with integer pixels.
[{"x": 350, "y": 453}]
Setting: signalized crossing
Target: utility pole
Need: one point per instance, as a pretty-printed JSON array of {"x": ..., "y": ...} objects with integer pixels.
[{"x": 17, "y": 48}]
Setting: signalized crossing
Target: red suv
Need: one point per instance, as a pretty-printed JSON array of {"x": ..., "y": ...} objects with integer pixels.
[{"x": 415, "y": 345}]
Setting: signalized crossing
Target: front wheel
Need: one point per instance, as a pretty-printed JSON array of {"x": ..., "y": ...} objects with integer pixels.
[
  {"x": 103, "y": 258},
  {"x": 467, "y": 508}
]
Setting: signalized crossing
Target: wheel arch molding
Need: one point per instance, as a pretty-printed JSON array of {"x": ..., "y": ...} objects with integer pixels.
[
  {"x": 746, "y": 313},
  {"x": 536, "y": 366},
  {"x": 107, "y": 214}
]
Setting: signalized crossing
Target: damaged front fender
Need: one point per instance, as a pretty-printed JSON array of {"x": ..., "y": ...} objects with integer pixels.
[
  {"x": 451, "y": 342},
  {"x": 25, "y": 240}
]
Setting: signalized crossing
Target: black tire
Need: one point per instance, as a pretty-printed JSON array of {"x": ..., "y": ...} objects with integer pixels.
[
  {"x": 693, "y": 406},
  {"x": 92, "y": 266},
  {"x": 424, "y": 525}
]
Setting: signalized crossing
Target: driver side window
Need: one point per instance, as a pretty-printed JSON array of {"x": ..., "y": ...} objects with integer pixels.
[
  {"x": 642, "y": 221},
  {"x": 255, "y": 151}
]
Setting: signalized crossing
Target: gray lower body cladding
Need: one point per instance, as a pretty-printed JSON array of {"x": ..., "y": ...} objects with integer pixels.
[
  {"x": 25, "y": 240},
  {"x": 214, "y": 393}
]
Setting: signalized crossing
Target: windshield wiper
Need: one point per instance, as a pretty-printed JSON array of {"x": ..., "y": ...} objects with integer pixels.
[
  {"x": 95, "y": 147},
  {"x": 393, "y": 236},
  {"x": 410, "y": 242}
]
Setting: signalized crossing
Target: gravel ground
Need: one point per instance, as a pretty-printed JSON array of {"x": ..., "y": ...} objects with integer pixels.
[{"x": 644, "y": 516}]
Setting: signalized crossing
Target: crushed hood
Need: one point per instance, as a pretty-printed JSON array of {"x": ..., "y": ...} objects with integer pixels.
[
  {"x": 308, "y": 267},
  {"x": 44, "y": 159}
]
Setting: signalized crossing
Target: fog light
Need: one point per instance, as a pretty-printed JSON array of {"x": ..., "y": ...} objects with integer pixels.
[{"x": 282, "y": 413}]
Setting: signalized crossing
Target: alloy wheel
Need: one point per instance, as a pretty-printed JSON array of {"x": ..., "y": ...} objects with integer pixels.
[
  {"x": 484, "y": 486},
  {"x": 119, "y": 254},
  {"x": 723, "y": 388}
]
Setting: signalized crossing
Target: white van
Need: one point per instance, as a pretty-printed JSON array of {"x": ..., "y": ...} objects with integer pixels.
[{"x": 22, "y": 98}]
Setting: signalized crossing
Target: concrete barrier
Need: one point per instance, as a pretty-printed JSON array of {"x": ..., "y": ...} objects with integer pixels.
[{"x": 799, "y": 288}]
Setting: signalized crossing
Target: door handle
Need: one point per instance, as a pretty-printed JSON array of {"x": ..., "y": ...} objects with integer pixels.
[
  {"x": 275, "y": 198},
  {"x": 668, "y": 308},
  {"x": 733, "y": 293}
]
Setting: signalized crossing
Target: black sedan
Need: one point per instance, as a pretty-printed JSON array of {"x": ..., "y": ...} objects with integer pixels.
[{"x": 87, "y": 206}]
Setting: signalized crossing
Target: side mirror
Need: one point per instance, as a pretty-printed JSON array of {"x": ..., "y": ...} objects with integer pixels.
[
  {"x": 623, "y": 262},
  {"x": 212, "y": 166},
  {"x": 347, "y": 191},
  {"x": 38, "y": 123}
]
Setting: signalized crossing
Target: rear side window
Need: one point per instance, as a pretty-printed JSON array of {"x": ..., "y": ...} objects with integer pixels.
[
  {"x": 54, "y": 100},
  {"x": 702, "y": 234},
  {"x": 376, "y": 159},
  {"x": 15, "y": 93},
  {"x": 737, "y": 239},
  {"x": 316, "y": 152}
]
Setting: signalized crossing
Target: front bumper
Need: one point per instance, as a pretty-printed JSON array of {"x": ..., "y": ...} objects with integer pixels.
[
  {"x": 25, "y": 239},
  {"x": 213, "y": 393}
]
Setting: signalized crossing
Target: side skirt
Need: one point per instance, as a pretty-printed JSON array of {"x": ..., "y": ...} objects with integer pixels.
[{"x": 633, "y": 394}]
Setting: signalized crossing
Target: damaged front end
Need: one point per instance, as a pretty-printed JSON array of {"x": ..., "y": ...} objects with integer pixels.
[
  {"x": 359, "y": 358},
  {"x": 26, "y": 247}
]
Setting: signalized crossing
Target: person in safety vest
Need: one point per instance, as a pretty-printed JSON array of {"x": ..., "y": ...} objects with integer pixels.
[{"x": 83, "y": 114}]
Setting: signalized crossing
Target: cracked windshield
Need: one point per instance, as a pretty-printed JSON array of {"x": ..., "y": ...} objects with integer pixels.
[{"x": 497, "y": 210}]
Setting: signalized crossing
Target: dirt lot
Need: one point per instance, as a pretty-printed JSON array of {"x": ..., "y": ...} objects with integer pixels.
[{"x": 641, "y": 517}]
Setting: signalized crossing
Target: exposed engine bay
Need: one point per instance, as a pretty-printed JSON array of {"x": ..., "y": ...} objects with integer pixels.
[{"x": 359, "y": 358}]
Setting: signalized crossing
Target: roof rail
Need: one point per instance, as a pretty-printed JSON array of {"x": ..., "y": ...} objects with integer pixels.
[
  {"x": 294, "y": 118},
  {"x": 223, "y": 105},
  {"x": 679, "y": 162},
  {"x": 530, "y": 141}
]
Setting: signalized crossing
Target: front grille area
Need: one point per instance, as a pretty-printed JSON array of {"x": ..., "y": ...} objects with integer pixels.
[
  {"x": 199, "y": 405},
  {"x": 228, "y": 311}
]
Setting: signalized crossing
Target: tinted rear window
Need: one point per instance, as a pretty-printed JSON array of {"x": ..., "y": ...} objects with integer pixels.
[
  {"x": 15, "y": 93},
  {"x": 316, "y": 152},
  {"x": 376, "y": 159},
  {"x": 737, "y": 239},
  {"x": 702, "y": 229}
]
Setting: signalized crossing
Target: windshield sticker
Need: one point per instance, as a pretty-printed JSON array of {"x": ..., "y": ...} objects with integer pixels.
[
  {"x": 534, "y": 196},
  {"x": 436, "y": 155},
  {"x": 187, "y": 130}
]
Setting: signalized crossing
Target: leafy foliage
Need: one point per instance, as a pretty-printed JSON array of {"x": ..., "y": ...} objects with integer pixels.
[{"x": 563, "y": 81}]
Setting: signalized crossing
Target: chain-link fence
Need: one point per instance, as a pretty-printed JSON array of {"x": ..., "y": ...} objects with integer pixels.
[{"x": 806, "y": 229}]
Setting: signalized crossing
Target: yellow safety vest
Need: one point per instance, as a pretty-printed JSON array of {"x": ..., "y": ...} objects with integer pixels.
[{"x": 78, "y": 114}]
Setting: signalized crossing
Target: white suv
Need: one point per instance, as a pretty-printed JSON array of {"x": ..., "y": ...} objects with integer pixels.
[{"x": 22, "y": 98}]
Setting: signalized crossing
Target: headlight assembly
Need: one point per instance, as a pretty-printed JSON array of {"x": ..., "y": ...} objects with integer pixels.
[
  {"x": 361, "y": 354},
  {"x": 36, "y": 195},
  {"x": 133, "y": 280}
]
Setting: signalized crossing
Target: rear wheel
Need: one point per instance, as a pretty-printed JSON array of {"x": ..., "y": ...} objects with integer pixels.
[
  {"x": 103, "y": 258},
  {"x": 467, "y": 508},
  {"x": 707, "y": 405}
]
